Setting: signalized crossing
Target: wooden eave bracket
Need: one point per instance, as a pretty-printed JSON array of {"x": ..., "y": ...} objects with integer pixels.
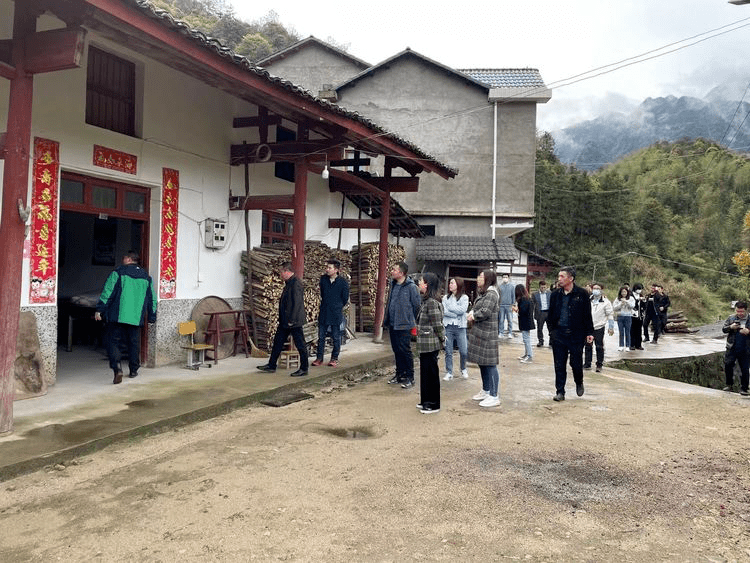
[
  {"x": 56, "y": 49},
  {"x": 411, "y": 167}
]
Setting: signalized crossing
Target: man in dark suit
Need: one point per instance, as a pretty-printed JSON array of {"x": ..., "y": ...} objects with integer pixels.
[
  {"x": 334, "y": 294},
  {"x": 571, "y": 327},
  {"x": 541, "y": 310},
  {"x": 291, "y": 320}
]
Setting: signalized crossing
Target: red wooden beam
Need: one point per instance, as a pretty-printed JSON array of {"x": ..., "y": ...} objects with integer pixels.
[
  {"x": 12, "y": 228},
  {"x": 57, "y": 49},
  {"x": 265, "y": 202},
  {"x": 140, "y": 22},
  {"x": 353, "y": 223},
  {"x": 300, "y": 218}
]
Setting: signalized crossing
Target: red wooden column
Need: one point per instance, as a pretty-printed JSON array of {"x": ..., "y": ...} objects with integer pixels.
[
  {"x": 300, "y": 219},
  {"x": 12, "y": 227},
  {"x": 385, "y": 219}
]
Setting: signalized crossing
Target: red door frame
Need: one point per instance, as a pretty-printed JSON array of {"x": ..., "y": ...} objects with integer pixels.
[{"x": 120, "y": 213}]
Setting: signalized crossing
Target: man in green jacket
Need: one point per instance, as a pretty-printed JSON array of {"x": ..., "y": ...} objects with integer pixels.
[{"x": 127, "y": 300}]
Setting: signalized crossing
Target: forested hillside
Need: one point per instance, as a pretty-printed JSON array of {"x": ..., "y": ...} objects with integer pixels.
[
  {"x": 673, "y": 213},
  {"x": 217, "y": 19}
]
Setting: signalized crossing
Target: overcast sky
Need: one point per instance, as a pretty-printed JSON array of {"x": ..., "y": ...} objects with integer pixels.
[{"x": 560, "y": 38}]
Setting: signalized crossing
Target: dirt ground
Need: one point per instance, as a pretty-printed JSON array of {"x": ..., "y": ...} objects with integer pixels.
[{"x": 636, "y": 470}]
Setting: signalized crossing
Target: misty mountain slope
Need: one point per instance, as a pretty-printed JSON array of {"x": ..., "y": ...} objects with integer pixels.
[{"x": 593, "y": 144}]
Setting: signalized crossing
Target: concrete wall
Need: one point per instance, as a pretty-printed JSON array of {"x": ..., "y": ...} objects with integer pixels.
[
  {"x": 314, "y": 66},
  {"x": 452, "y": 120}
]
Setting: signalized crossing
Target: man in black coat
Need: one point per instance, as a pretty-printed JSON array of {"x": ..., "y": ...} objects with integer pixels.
[
  {"x": 334, "y": 294},
  {"x": 291, "y": 320},
  {"x": 570, "y": 327}
]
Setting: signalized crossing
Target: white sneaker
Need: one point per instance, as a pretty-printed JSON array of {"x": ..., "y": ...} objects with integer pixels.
[
  {"x": 464, "y": 374},
  {"x": 526, "y": 360},
  {"x": 510, "y": 335},
  {"x": 490, "y": 401},
  {"x": 481, "y": 395},
  {"x": 448, "y": 377},
  {"x": 522, "y": 358},
  {"x": 620, "y": 349}
]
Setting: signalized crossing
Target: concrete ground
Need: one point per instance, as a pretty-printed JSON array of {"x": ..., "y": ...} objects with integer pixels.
[{"x": 638, "y": 469}]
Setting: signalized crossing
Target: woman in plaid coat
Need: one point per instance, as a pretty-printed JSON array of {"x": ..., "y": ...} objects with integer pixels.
[
  {"x": 430, "y": 338},
  {"x": 483, "y": 338}
]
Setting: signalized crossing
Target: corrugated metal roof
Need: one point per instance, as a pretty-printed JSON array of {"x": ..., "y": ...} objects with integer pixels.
[
  {"x": 217, "y": 47},
  {"x": 466, "y": 249},
  {"x": 506, "y": 77}
]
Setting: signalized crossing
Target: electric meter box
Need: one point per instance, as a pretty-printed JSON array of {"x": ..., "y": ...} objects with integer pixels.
[{"x": 216, "y": 233}]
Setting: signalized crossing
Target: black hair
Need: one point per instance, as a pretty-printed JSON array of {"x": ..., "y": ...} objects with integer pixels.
[
  {"x": 433, "y": 285},
  {"x": 335, "y": 262},
  {"x": 134, "y": 256},
  {"x": 570, "y": 270},
  {"x": 490, "y": 279}
]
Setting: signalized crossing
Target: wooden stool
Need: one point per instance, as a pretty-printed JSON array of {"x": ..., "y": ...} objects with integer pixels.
[{"x": 289, "y": 357}]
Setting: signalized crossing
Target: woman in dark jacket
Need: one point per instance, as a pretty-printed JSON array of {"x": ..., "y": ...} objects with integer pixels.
[
  {"x": 483, "y": 338},
  {"x": 524, "y": 307},
  {"x": 430, "y": 338}
]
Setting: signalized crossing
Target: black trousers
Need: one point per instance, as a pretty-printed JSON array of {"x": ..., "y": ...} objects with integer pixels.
[
  {"x": 599, "y": 345},
  {"x": 131, "y": 334},
  {"x": 401, "y": 346},
  {"x": 429, "y": 379},
  {"x": 540, "y": 320},
  {"x": 636, "y": 340},
  {"x": 731, "y": 356},
  {"x": 566, "y": 345},
  {"x": 282, "y": 334}
]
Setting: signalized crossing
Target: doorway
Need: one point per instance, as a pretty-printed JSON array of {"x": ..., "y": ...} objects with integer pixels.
[{"x": 99, "y": 222}]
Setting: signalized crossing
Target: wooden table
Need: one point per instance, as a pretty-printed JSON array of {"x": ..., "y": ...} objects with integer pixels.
[{"x": 234, "y": 324}]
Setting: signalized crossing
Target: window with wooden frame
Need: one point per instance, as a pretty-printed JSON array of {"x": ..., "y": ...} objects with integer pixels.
[
  {"x": 110, "y": 92},
  {"x": 276, "y": 227},
  {"x": 103, "y": 197}
]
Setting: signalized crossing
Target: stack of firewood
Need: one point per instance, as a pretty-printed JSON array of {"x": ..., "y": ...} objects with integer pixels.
[
  {"x": 263, "y": 295},
  {"x": 364, "y": 275},
  {"x": 677, "y": 322}
]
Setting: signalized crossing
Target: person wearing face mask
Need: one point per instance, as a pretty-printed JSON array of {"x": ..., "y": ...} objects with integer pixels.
[
  {"x": 601, "y": 314},
  {"x": 636, "y": 336}
]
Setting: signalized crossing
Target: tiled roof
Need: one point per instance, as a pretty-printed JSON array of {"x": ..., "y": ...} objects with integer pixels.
[
  {"x": 217, "y": 47},
  {"x": 466, "y": 249},
  {"x": 506, "y": 77}
]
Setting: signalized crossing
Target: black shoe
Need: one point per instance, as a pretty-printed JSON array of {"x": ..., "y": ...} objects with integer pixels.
[
  {"x": 559, "y": 397},
  {"x": 598, "y": 369},
  {"x": 408, "y": 384},
  {"x": 118, "y": 377},
  {"x": 133, "y": 374},
  {"x": 430, "y": 410},
  {"x": 744, "y": 392},
  {"x": 639, "y": 348},
  {"x": 395, "y": 379},
  {"x": 268, "y": 368},
  {"x": 587, "y": 366},
  {"x": 420, "y": 406},
  {"x": 540, "y": 345},
  {"x": 579, "y": 387},
  {"x": 645, "y": 339},
  {"x": 299, "y": 373}
]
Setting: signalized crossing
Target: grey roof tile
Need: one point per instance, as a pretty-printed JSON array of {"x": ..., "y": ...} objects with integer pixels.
[
  {"x": 466, "y": 249},
  {"x": 506, "y": 77}
]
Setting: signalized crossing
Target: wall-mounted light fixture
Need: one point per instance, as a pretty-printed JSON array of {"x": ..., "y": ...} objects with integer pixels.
[{"x": 325, "y": 173}]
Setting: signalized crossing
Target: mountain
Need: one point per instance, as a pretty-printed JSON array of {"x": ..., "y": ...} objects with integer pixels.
[{"x": 592, "y": 144}]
